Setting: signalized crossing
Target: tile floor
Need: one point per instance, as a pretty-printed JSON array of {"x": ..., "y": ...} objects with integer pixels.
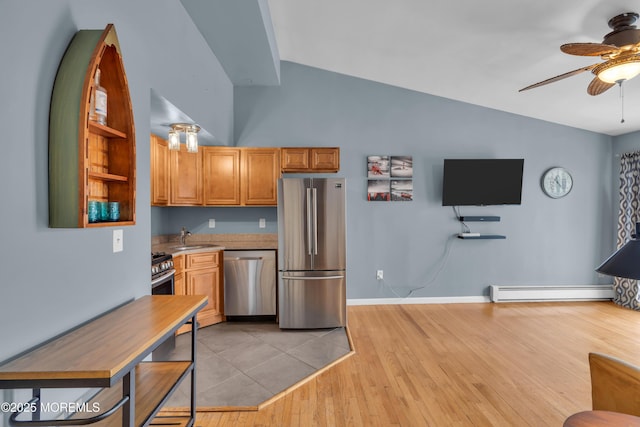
[{"x": 246, "y": 363}]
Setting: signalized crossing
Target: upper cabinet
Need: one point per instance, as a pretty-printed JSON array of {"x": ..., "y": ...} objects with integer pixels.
[
  {"x": 215, "y": 176},
  {"x": 240, "y": 176},
  {"x": 90, "y": 161},
  {"x": 221, "y": 175},
  {"x": 185, "y": 177},
  {"x": 310, "y": 159},
  {"x": 160, "y": 171},
  {"x": 259, "y": 179}
]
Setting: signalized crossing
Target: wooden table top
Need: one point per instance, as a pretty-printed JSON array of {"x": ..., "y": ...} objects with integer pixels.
[
  {"x": 100, "y": 350},
  {"x": 601, "y": 418}
]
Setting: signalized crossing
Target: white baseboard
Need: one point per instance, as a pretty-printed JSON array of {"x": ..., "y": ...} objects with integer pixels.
[{"x": 422, "y": 300}]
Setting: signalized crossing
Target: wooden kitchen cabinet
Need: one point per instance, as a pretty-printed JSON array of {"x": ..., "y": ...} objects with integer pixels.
[
  {"x": 215, "y": 176},
  {"x": 310, "y": 159},
  {"x": 205, "y": 282},
  {"x": 159, "y": 171},
  {"x": 242, "y": 176},
  {"x": 179, "y": 287},
  {"x": 176, "y": 176},
  {"x": 185, "y": 175},
  {"x": 259, "y": 176},
  {"x": 221, "y": 175},
  {"x": 89, "y": 160},
  {"x": 203, "y": 276}
]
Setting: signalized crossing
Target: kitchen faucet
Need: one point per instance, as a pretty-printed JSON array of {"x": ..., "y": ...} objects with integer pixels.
[{"x": 184, "y": 233}]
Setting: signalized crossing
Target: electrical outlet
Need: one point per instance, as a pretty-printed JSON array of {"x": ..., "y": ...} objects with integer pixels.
[
  {"x": 118, "y": 241},
  {"x": 212, "y": 223},
  {"x": 380, "y": 275},
  {"x": 262, "y": 223}
]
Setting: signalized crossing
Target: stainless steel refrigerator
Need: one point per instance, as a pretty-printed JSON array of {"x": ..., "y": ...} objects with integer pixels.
[{"x": 311, "y": 253}]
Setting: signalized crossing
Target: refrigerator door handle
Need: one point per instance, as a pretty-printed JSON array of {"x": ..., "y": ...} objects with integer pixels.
[
  {"x": 309, "y": 223},
  {"x": 312, "y": 277},
  {"x": 315, "y": 222}
]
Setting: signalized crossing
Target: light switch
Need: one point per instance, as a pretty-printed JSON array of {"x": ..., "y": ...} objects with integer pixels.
[
  {"x": 212, "y": 223},
  {"x": 262, "y": 223},
  {"x": 118, "y": 241}
]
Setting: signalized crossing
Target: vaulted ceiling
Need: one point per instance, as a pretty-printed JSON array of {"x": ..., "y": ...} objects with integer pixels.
[{"x": 476, "y": 52}]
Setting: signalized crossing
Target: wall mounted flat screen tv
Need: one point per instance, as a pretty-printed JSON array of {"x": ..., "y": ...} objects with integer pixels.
[{"x": 481, "y": 182}]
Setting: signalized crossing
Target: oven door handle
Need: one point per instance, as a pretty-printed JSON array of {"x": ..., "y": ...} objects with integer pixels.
[{"x": 166, "y": 275}]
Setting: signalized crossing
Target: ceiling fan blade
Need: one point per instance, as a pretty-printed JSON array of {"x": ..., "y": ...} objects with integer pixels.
[
  {"x": 597, "y": 86},
  {"x": 560, "y": 77},
  {"x": 588, "y": 49}
]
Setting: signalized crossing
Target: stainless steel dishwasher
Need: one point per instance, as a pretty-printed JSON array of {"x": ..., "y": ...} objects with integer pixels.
[{"x": 249, "y": 284}]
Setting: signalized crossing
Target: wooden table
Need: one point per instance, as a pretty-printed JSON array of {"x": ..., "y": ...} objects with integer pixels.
[
  {"x": 601, "y": 418},
  {"x": 109, "y": 352}
]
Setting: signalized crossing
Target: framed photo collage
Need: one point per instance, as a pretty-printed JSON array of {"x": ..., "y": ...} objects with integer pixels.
[{"x": 389, "y": 178}]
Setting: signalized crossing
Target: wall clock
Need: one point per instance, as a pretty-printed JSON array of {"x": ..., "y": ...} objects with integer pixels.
[{"x": 556, "y": 182}]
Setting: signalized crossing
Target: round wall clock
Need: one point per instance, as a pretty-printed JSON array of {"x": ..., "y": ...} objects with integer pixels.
[{"x": 556, "y": 182}]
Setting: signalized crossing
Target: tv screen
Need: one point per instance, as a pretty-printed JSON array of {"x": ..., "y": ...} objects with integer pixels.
[{"x": 482, "y": 182}]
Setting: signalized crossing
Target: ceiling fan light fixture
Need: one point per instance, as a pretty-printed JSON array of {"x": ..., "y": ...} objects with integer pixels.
[{"x": 618, "y": 70}]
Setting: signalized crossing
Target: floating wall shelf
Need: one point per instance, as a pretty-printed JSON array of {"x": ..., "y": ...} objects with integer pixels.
[
  {"x": 482, "y": 236},
  {"x": 479, "y": 218}
]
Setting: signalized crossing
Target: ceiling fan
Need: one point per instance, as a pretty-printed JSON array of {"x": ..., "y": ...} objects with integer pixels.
[{"x": 620, "y": 50}]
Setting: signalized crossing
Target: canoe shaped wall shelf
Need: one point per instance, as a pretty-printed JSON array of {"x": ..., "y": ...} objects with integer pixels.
[{"x": 92, "y": 150}]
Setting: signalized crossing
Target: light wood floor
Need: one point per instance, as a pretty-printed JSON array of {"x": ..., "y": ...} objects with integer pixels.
[{"x": 518, "y": 364}]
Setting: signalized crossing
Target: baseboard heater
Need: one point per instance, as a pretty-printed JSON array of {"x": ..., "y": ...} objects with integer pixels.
[{"x": 502, "y": 293}]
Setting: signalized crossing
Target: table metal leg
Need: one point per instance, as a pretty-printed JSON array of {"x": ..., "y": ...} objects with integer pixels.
[
  {"x": 194, "y": 329},
  {"x": 36, "y": 394},
  {"x": 129, "y": 408}
]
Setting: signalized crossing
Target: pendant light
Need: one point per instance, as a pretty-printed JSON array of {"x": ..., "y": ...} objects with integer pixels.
[
  {"x": 174, "y": 139},
  {"x": 191, "y": 136}
]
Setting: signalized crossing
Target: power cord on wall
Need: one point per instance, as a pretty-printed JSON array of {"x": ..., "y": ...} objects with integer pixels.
[
  {"x": 465, "y": 227},
  {"x": 439, "y": 264}
]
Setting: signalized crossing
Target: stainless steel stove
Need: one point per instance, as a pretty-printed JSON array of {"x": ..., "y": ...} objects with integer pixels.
[
  {"x": 162, "y": 273},
  {"x": 161, "y": 266}
]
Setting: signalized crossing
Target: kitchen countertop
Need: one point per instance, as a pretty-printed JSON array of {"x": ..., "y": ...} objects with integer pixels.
[
  {"x": 215, "y": 242},
  {"x": 172, "y": 248}
]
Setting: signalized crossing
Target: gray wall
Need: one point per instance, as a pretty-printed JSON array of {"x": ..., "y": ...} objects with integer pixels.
[
  {"x": 53, "y": 279},
  {"x": 229, "y": 220},
  {"x": 548, "y": 241}
]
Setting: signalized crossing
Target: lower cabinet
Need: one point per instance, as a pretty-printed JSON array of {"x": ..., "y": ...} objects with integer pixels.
[
  {"x": 206, "y": 282},
  {"x": 179, "y": 287},
  {"x": 201, "y": 274}
]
